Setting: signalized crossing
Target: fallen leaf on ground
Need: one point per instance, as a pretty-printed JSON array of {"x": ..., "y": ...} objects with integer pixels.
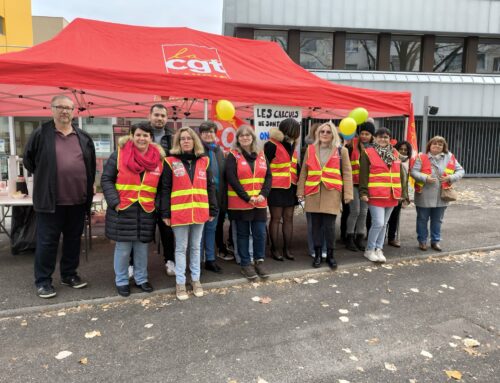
[
  {"x": 325, "y": 304},
  {"x": 390, "y": 366},
  {"x": 343, "y": 311},
  {"x": 92, "y": 334},
  {"x": 456, "y": 337},
  {"x": 427, "y": 354},
  {"x": 93, "y": 319},
  {"x": 457, "y": 375},
  {"x": 63, "y": 354},
  {"x": 469, "y": 342},
  {"x": 256, "y": 299},
  {"x": 385, "y": 301},
  {"x": 145, "y": 302},
  {"x": 372, "y": 341},
  {"x": 61, "y": 314},
  {"x": 265, "y": 300},
  {"x": 24, "y": 323},
  {"x": 361, "y": 369},
  {"x": 494, "y": 284},
  {"x": 310, "y": 281},
  {"x": 297, "y": 280},
  {"x": 347, "y": 350},
  {"x": 355, "y": 304},
  {"x": 451, "y": 288},
  {"x": 344, "y": 319},
  {"x": 352, "y": 357},
  {"x": 260, "y": 380},
  {"x": 415, "y": 290},
  {"x": 343, "y": 381},
  {"x": 453, "y": 344},
  {"x": 388, "y": 267},
  {"x": 148, "y": 325},
  {"x": 444, "y": 286},
  {"x": 368, "y": 269},
  {"x": 84, "y": 361}
]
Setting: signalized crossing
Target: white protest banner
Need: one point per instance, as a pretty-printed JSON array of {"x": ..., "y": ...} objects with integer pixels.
[{"x": 270, "y": 116}]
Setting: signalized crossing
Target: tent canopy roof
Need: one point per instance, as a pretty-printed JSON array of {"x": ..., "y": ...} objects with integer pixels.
[{"x": 132, "y": 66}]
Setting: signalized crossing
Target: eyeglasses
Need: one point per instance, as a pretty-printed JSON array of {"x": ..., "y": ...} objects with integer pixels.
[
  {"x": 208, "y": 132},
  {"x": 61, "y": 108},
  {"x": 385, "y": 137},
  {"x": 186, "y": 138},
  {"x": 325, "y": 132}
]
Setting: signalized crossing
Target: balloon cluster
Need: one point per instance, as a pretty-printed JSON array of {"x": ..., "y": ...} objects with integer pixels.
[
  {"x": 225, "y": 110},
  {"x": 347, "y": 127}
]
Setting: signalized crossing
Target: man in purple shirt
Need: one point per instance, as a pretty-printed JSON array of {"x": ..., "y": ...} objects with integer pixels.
[{"x": 62, "y": 159}]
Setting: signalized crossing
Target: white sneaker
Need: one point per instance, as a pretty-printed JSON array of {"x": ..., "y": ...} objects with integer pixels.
[
  {"x": 380, "y": 255},
  {"x": 371, "y": 255},
  {"x": 170, "y": 268},
  {"x": 130, "y": 272}
]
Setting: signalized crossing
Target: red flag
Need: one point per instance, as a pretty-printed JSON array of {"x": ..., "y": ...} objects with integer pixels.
[{"x": 411, "y": 136}]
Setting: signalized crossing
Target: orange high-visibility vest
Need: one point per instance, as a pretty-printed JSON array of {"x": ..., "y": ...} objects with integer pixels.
[
  {"x": 251, "y": 182},
  {"x": 283, "y": 169},
  {"x": 383, "y": 182},
  {"x": 189, "y": 199},
  {"x": 426, "y": 169},
  {"x": 131, "y": 188},
  {"x": 330, "y": 175},
  {"x": 355, "y": 161}
]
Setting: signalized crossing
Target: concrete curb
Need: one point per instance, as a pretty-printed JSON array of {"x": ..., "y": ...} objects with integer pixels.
[{"x": 231, "y": 282}]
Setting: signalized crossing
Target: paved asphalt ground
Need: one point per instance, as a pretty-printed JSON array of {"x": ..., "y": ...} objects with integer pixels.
[
  {"x": 418, "y": 302},
  {"x": 401, "y": 322}
]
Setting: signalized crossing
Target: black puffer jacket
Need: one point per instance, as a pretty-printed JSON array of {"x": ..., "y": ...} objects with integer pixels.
[{"x": 131, "y": 224}]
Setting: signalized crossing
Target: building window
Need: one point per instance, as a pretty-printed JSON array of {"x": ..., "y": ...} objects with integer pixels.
[
  {"x": 280, "y": 37},
  {"x": 405, "y": 53},
  {"x": 360, "y": 52},
  {"x": 316, "y": 50},
  {"x": 488, "y": 56},
  {"x": 448, "y": 54}
]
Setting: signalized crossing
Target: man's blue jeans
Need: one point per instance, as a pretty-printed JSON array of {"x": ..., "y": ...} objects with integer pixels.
[
  {"x": 258, "y": 232},
  {"x": 208, "y": 239},
  {"x": 121, "y": 262},
  {"x": 435, "y": 215}
]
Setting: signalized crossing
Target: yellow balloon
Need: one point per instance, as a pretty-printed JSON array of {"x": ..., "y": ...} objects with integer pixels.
[
  {"x": 225, "y": 110},
  {"x": 347, "y": 127},
  {"x": 359, "y": 115}
]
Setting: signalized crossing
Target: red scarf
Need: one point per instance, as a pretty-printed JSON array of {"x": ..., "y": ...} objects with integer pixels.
[{"x": 138, "y": 162}]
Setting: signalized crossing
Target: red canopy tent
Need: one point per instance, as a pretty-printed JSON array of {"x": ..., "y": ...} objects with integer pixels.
[{"x": 120, "y": 70}]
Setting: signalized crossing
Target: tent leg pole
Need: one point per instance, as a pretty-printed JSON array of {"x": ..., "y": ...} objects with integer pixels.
[
  {"x": 425, "y": 121},
  {"x": 205, "y": 109},
  {"x": 12, "y": 136}
]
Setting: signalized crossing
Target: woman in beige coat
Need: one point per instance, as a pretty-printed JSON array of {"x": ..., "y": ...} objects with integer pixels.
[{"x": 325, "y": 178}]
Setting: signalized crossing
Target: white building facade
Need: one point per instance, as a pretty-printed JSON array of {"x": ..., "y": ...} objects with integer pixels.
[{"x": 445, "y": 50}]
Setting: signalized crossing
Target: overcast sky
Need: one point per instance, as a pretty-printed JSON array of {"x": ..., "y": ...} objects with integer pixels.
[{"x": 205, "y": 15}]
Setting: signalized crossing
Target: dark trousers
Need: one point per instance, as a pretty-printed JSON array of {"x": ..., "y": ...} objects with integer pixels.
[
  {"x": 68, "y": 221},
  {"x": 392, "y": 224},
  {"x": 323, "y": 228},
  {"x": 219, "y": 231},
  {"x": 256, "y": 229},
  {"x": 346, "y": 210},
  {"x": 167, "y": 241}
]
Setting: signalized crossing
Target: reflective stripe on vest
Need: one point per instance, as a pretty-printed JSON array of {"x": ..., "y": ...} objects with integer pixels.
[
  {"x": 355, "y": 161},
  {"x": 131, "y": 188},
  {"x": 188, "y": 200},
  {"x": 283, "y": 169},
  {"x": 329, "y": 175},
  {"x": 427, "y": 169},
  {"x": 383, "y": 182},
  {"x": 251, "y": 182}
]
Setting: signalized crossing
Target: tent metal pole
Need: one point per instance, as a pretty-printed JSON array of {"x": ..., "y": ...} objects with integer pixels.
[
  {"x": 407, "y": 121},
  {"x": 425, "y": 122},
  {"x": 80, "y": 122},
  {"x": 12, "y": 136},
  {"x": 205, "y": 109}
]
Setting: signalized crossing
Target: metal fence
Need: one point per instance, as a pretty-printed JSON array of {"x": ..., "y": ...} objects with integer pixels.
[{"x": 475, "y": 142}]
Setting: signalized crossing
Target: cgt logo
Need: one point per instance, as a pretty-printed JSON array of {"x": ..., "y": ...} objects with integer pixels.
[{"x": 193, "y": 60}]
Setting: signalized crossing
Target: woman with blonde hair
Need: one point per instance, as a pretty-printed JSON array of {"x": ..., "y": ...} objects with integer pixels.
[
  {"x": 188, "y": 200},
  {"x": 325, "y": 179},
  {"x": 249, "y": 183},
  {"x": 434, "y": 171}
]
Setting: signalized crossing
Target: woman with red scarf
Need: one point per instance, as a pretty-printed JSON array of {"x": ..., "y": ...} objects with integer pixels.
[{"x": 129, "y": 183}]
